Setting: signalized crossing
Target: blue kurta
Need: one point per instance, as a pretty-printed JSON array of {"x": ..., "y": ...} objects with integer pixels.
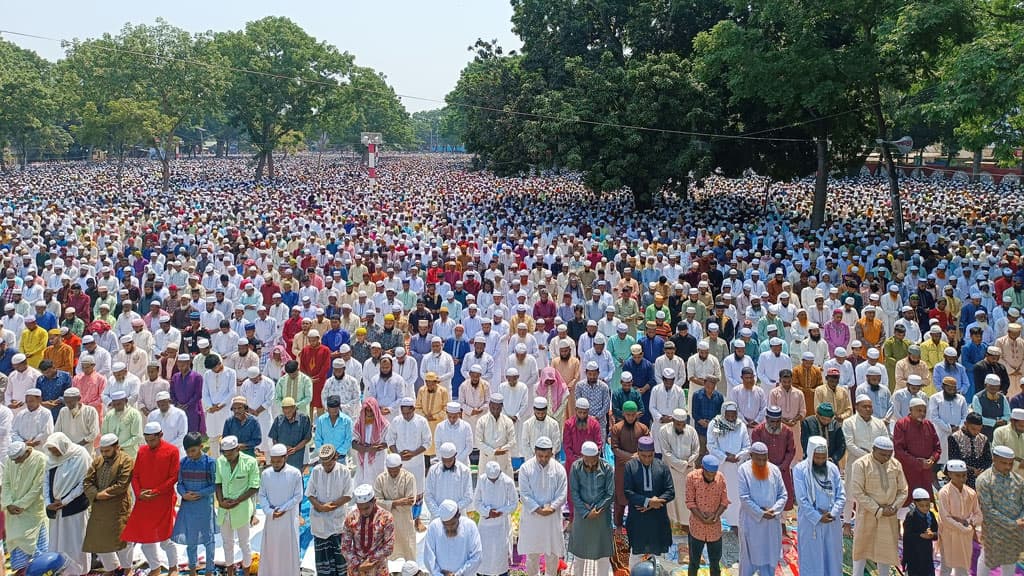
[
  {"x": 196, "y": 521},
  {"x": 820, "y": 546},
  {"x": 760, "y": 538},
  {"x": 649, "y": 532}
]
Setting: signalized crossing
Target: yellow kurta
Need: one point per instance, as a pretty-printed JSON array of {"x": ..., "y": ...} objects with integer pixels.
[
  {"x": 873, "y": 486},
  {"x": 432, "y": 407},
  {"x": 1013, "y": 359},
  {"x": 904, "y": 369},
  {"x": 839, "y": 398},
  {"x": 956, "y": 541},
  {"x": 33, "y": 345},
  {"x": 387, "y": 490},
  {"x": 23, "y": 487}
]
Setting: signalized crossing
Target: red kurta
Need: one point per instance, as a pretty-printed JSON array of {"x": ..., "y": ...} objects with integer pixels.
[
  {"x": 573, "y": 439},
  {"x": 914, "y": 442},
  {"x": 152, "y": 520},
  {"x": 316, "y": 363},
  {"x": 781, "y": 452}
]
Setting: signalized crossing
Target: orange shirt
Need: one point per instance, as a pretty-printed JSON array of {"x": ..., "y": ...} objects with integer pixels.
[{"x": 707, "y": 497}]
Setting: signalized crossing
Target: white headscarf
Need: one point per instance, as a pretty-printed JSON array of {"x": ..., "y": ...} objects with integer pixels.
[{"x": 72, "y": 464}]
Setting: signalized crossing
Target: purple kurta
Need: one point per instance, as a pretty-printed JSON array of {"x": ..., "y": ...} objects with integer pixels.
[{"x": 187, "y": 394}]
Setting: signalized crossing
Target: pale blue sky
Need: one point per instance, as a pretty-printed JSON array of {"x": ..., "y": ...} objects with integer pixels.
[{"x": 419, "y": 44}]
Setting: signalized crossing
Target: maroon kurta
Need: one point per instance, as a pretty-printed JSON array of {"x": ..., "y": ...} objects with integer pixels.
[
  {"x": 781, "y": 452},
  {"x": 573, "y": 439},
  {"x": 915, "y": 442},
  {"x": 152, "y": 520}
]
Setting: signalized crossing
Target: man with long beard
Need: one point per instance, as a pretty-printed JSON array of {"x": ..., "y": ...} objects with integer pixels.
[
  {"x": 452, "y": 544},
  {"x": 649, "y": 490},
  {"x": 680, "y": 449},
  {"x": 781, "y": 447},
  {"x": 820, "y": 497},
  {"x": 917, "y": 446},
  {"x": 729, "y": 442},
  {"x": 879, "y": 489},
  {"x": 763, "y": 494},
  {"x": 623, "y": 439}
]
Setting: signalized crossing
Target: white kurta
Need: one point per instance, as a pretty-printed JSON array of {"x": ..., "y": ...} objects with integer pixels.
[
  {"x": 495, "y": 533},
  {"x": 519, "y": 404},
  {"x": 494, "y": 435},
  {"x": 542, "y": 486},
  {"x": 36, "y": 425},
  {"x": 455, "y": 485},
  {"x": 534, "y": 429},
  {"x": 944, "y": 414},
  {"x": 410, "y": 435},
  {"x": 218, "y": 388},
  {"x": 460, "y": 434},
  {"x": 328, "y": 487},
  {"x": 663, "y": 403},
  {"x": 260, "y": 394},
  {"x": 281, "y": 491},
  {"x": 680, "y": 451},
  {"x": 737, "y": 443},
  {"x": 174, "y": 423},
  {"x": 82, "y": 427}
]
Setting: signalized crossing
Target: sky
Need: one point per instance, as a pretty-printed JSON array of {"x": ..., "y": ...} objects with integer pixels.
[{"x": 419, "y": 44}]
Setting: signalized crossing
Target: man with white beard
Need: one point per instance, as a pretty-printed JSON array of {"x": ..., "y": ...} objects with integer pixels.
[
  {"x": 729, "y": 442},
  {"x": 495, "y": 499}
]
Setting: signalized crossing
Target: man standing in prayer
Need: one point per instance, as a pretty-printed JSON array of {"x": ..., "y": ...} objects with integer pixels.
[
  {"x": 706, "y": 500},
  {"x": 859, "y": 432},
  {"x": 238, "y": 480},
  {"x": 781, "y": 448},
  {"x": 196, "y": 522},
  {"x": 368, "y": 537},
  {"x": 106, "y": 485},
  {"x": 22, "y": 499},
  {"x": 649, "y": 489},
  {"x": 452, "y": 544},
  {"x": 1001, "y": 496},
  {"x": 729, "y": 442},
  {"x": 680, "y": 449},
  {"x": 280, "y": 495},
  {"x": 495, "y": 499},
  {"x": 152, "y": 518},
  {"x": 880, "y": 489},
  {"x": 820, "y": 498},
  {"x": 917, "y": 446},
  {"x": 78, "y": 421},
  {"x": 259, "y": 397},
  {"x": 496, "y": 435},
  {"x": 65, "y": 500},
  {"x": 34, "y": 424},
  {"x": 187, "y": 393},
  {"x": 219, "y": 383},
  {"x": 125, "y": 422},
  {"x": 395, "y": 491},
  {"x": 293, "y": 430},
  {"x": 329, "y": 492},
  {"x": 448, "y": 479},
  {"x": 543, "y": 487},
  {"x": 763, "y": 494},
  {"x": 592, "y": 486},
  {"x": 409, "y": 437},
  {"x": 172, "y": 421},
  {"x": 959, "y": 517}
]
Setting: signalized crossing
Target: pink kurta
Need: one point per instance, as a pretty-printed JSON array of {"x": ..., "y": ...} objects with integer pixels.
[{"x": 956, "y": 541}]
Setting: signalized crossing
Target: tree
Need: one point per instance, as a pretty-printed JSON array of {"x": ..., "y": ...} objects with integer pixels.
[
  {"x": 365, "y": 103},
  {"x": 31, "y": 103},
  {"x": 433, "y": 129},
  {"x": 281, "y": 80},
  {"x": 181, "y": 73},
  {"x": 125, "y": 124}
]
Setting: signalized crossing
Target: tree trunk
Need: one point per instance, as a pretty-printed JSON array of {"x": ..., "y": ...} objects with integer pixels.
[
  {"x": 165, "y": 167},
  {"x": 642, "y": 197},
  {"x": 976, "y": 166},
  {"x": 120, "y": 168},
  {"x": 261, "y": 160},
  {"x": 270, "y": 164},
  {"x": 820, "y": 182},
  {"x": 894, "y": 185}
]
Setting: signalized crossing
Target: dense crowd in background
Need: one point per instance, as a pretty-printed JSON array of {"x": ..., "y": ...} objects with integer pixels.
[{"x": 448, "y": 365}]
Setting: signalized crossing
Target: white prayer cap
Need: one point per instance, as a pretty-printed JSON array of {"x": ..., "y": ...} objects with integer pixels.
[
  {"x": 511, "y": 371},
  {"x": 88, "y": 339},
  {"x": 589, "y": 449},
  {"x": 278, "y": 450},
  {"x": 862, "y": 398},
  {"x": 362, "y": 494},
  {"x": 447, "y": 510},
  {"x": 152, "y": 428},
  {"x": 949, "y": 351},
  {"x": 875, "y": 370},
  {"x": 758, "y": 448},
  {"x": 1017, "y": 414},
  {"x": 840, "y": 352},
  {"x": 816, "y": 444},
  {"x": 856, "y": 344},
  {"x": 920, "y": 494},
  {"x": 882, "y": 443},
  {"x": 493, "y": 470},
  {"x": 453, "y": 408},
  {"x": 184, "y": 358},
  {"x": 679, "y": 415},
  {"x": 776, "y": 342},
  {"x": 873, "y": 353},
  {"x": 592, "y": 365},
  {"x": 544, "y": 443},
  {"x": 956, "y": 466},
  {"x": 161, "y": 395},
  {"x": 564, "y": 343},
  {"x": 668, "y": 373},
  {"x": 252, "y": 371},
  {"x": 34, "y": 392},
  {"x": 127, "y": 338},
  {"x": 406, "y": 402},
  {"x": 16, "y": 449},
  {"x": 582, "y": 404},
  {"x": 447, "y": 450},
  {"x": 72, "y": 393},
  {"x": 393, "y": 460},
  {"x": 410, "y": 568},
  {"x": 540, "y": 403},
  {"x": 229, "y": 443},
  {"x": 119, "y": 366},
  {"x": 703, "y": 345},
  {"x": 626, "y": 376},
  {"x": 599, "y": 339},
  {"x": 914, "y": 380},
  {"x": 497, "y": 398},
  {"x": 992, "y": 380},
  {"x": 87, "y": 359},
  {"x": 399, "y": 352},
  {"x": 119, "y": 395},
  {"x": 1003, "y": 451},
  {"x": 203, "y": 343},
  {"x": 808, "y": 355},
  {"x": 739, "y": 344},
  {"x": 108, "y": 440},
  {"x": 917, "y": 402},
  {"x": 476, "y": 368}
]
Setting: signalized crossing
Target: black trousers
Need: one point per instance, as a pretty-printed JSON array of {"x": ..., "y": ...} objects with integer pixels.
[
  {"x": 329, "y": 561},
  {"x": 714, "y": 556}
]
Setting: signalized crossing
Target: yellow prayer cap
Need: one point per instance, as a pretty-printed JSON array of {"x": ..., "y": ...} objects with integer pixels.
[{"x": 389, "y": 317}]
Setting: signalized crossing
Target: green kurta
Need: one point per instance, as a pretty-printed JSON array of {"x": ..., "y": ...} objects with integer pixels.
[
  {"x": 108, "y": 517},
  {"x": 237, "y": 481},
  {"x": 893, "y": 350},
  {"x": 23, "y": 487},
  {"x": 1002, "y": 502},
  {"x": 591, "y": 538},
  {"x": 127, "y": 426}
]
